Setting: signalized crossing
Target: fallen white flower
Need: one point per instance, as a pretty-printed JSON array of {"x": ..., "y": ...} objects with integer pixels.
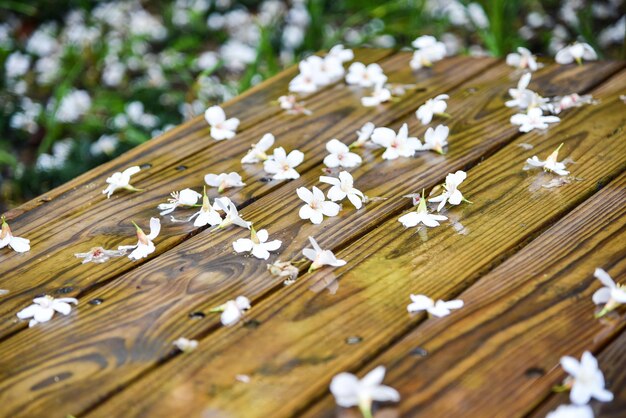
[
  {"x": 439, "y": 309},
  {"x": 341, "y": 53},
  {"x": 576, "y": 52},
  {"x": 612, "y": 295},
  {"x": 533, "y": 119},
  {"x": 421, "y": 215},
  {"x": 257, "y": 152},
  {"x": 585, "y": 379},
  {"x": 436, "y": 139},
  {"x": 363, "y": 135},
  {"x": 232, "y": 215},
  {"x": 291, "y": 104},
  {"x": 284, "y": 269},
  {"x": 316, "y": 206},
  {"x": 221, "y": 128},
  {"x": 571, "y": 411},
  {"x": 365, "y": 76},
  {"x": 7, "y": 238},
  {"x": 343, "y": 187},
  {"x": 282, "y": 166},
  {"x": 397, "y": 145},
  {"x": 43, "y": 309},
  {"x": 121, "y": 181},
  {"x": 522, "y": 59},
  {"x": 452, "y": 194},
  {"x": 321, "y": 257},
  {"x": 144, "y": 246},
  {"x": 561, "y": 103},
  {"x": 429, "y": 50},
  {"x": 99, "y": 255},
  {"x": 224, "y": 181},
  {"x": 207, "y": 215},
  {"x": 257, "y": 245},
  {"x": 432, "y": 107},
  {"x": 186, "y": 197},
  {"x": 379, "y": 95},
  {"x": 233, "y": 310},
  {"x": 185, "y": 345},
  {"x": 340, "y": 155},
  {"x": 550, "y": 164}
]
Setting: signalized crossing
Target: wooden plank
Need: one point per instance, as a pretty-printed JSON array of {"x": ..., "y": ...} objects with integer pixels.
[
  {"x": 50, "y": 264},
  {"x": 294, "y": 351},
  {"x": 499, "y": 355},
  {"x": 442, "y": 77},
  {"x": 611, "y": 361}
]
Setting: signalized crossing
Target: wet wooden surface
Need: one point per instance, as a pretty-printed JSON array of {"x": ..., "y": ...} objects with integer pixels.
[{"x": 521, "y": 257}]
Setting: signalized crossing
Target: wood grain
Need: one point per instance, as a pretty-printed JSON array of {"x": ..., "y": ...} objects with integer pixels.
[{"x": 300, "y": 339}]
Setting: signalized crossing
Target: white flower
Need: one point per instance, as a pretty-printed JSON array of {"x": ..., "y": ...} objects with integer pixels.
[
  {"x": 429, "y": 50},
  {"x": 585, "y": 379},
  {"x": 224, "y": 181},
  {"x": 18, "y": 244},
  {"x": 233, "y": 310},
  {"x": 379, "y": 95},
  {"x": 284, "y": 269},
  {"x": 363, "y": 135},
  {"x": 576, "y": 52},
  {"x": 421, "y": 215},
  {"x": 341, "y": 53},
  {"x": 186, "y": 197},
  {"x": 550, "y": 164},
  {"x": 612, "y": 295},
  {"x": 73, "y": 105},
  {"x": 436, "y": 139},
  {"x": 185, "y": 345},
  {"x": 291, "y": 104},
  {"x": 257, "y": 245},
  {"x": 343, "y": 187},
  {"x": 99, "y": 255},
  {"x": 439, "y": 309},
  {"x": 533, "y": 119},
  {"x": 561, "y": 103},
  {"x": 400, "y": 145},
  {"x": 524, "y": 98},
  {"x": 316, "y": 72},
  {"x": 207, "y": 215},
  {"x": 316, "y": 205},
  {"x": 321, "y": 257},
  {"x": 282, "y": 165},
  {"x": 340, "y": 155},
  {"x": 43, "y": 309},
  {"x": 106, "y": 144},
  {"x": 121, "y": 181},
  {"x": 257, "y": 151},
  {"x": 433, "y": 107},
  {"x": 523, "y": 59},
  {"x": 16, "y": 64},
  {"x": 232, "y": 215},
  {"x": 365, "y": 76},
  {"x": 452, "y": 194},
  {"x": 144, "y": 246},
  {"x": 349, "y": 391},
  {"x": 571, "y": 411},
  {"x": 221, "y": 128}
]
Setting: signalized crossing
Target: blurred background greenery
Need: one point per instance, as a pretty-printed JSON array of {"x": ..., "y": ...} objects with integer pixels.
[{"x": 83, "y": 81}]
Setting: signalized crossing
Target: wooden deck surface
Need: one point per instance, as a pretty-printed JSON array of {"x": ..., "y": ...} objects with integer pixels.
[{"x": 521, "y": 257}]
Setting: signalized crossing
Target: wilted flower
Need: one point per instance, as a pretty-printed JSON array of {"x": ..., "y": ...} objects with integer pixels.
[
  {"x": 349, "y": 390},
  {"x": 224, "y": 181},
  {"x": 340, "y": 155},
  {"x": 436, "y": 139},
  {"x": 585, "y": 379},
  {"x": 282, "y": 165},
  {"x": 221, "y": 128},
  {"x": 283, "y": 269},
  {"x": 533, "y": 119},
  {"x": 611, "y": 295},
  {"x": 43, "y": 309},
  {"x": 365, "y": 76},
  {"x": 433, "y": 107},
  {"x": 400, "y": 145},
  {"x": 522, "y": 59},
  {"x": 257, "y": 245},
  {"x": 144, "y": 246},
  {"x": 186, "y": 197},
  {"x": 576, "y": 52},
  {"x": 363, "y": 135},
  {"x": 439, "y": 309},
  {"x": 561, "y": 103},
  {"x": 121, "y": 181},
  {"x": 291, "y": 104},
  {"x": 233, "y": 310},
  {"x": 18, "y": 244},
  {"x": 343, "y": 187},
  {"x": 429, "y": 50},
  {"x": 421, "y": 215},
  {"x": 550, "y": 164},
  {"x": 99, "y": 255},
  {"x": 321, "y": 257},
  {"x": 451, "y": 195},
  {"x": 379, "y": 95},
  {"x": 316, "y": 206}
]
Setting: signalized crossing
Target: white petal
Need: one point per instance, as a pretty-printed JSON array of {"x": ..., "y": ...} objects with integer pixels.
[
  {"x": 604, "y": 278},
  {"x": 242, "y": 245},
  {"x": 214, "y": 115},
  {"x": 374, "y": 377},
  {"x": 20, "y": 245},
  {"x": 345, "y": 388}
]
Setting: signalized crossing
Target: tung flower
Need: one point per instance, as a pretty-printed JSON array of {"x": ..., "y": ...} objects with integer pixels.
[
  {"x": 429, "y": 50},
  {"x": 257, "y": 152},
  {"x": 576, "y": 52},
  {"x": 349, "y": 390},
  {"x": 144, "y": 246},
  {"x": 321, "y": 257},
  {"x": 232, "y": 215},
  {"x": 283, "y": 269},
  {"x": 340, "y": 155},
  {"x": 611, "y": 295},
  {"x": 533, "y": 119},
  {"x": 585, "y": 379},
  {"x": 121, "y": 181},
  {"x": 452, "y": 194},
  {"x": 571, "y": 411},
  {"x": 99, "y": 255},
  {"x": 291, "y": 104},
  {"x": 365, "y": 76},
  {"x": 7, "y": 238},
  {"x": 43, "y": 309},
  {"x": 522, "y": 59},
  {"x": 363, "y": 135},
  {"x": 343, "y": 187},
  {"x": 436, "y": 139},
  {"x": 207, "y": 215},
  {"x": 186, "y": 197},
  {"x": 282, "y": 166},
  {"x": 432, "y": 107},
  {"x": 224, "y": 181},
  {"x": 257, "y": 245},
  {"x": 185, "y": 345},
  {"x": 221, "y": 128},
  {"x": 316, "y": 206},
  {"x": 550, "y": 164},
  {"x": 233, "y": 310},
  {"x": 421, "y": 215},
  {"x": 379, "y": 95},
  {"x": 439, "y": 309},
  {"x": 400, "y": 145}
]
